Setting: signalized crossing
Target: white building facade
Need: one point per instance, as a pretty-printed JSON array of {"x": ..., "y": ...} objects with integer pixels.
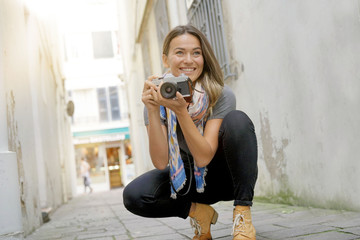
[
  {"x": 36, "y": 154},
  {"x": 93, "y": 71},
  {"x": 294, "y": 68}
]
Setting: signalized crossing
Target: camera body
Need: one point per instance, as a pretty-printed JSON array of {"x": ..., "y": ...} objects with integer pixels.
[{"x": 172, "y": 84}]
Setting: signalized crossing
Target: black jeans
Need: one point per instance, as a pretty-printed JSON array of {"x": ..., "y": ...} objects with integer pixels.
[{"x": 231, "y": 175}]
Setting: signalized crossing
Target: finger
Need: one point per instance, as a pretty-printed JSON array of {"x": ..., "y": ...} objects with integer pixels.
[
  {"x": 152, "y": 83},
  {"x": 149, "y": 82},
  {"x": 179, "y": 96},
  {"x": 157, "y": 80},
  {"x": 148, "y": 94},
  {"x": 155, "y": 93},
  {"x": 148, "y": 91},
  {"x": 147, "y": 85},
  {"x": 150, "y": 97},
  {"x": 153, "y": 77}
]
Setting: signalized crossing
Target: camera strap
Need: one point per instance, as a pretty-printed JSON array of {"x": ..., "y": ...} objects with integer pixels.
[
  {"x": 191, "y": 175},
  {"x": 177, "y": 173},
  {"x": 164, "y": 117}
]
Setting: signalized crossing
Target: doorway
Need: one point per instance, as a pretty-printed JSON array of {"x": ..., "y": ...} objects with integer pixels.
[{"x": 113, "y": 161}]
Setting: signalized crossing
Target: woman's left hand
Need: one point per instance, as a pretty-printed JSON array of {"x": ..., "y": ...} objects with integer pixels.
[{"x": 177, "y": 104}]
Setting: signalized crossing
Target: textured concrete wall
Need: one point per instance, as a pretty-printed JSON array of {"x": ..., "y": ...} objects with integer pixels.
[
  {"x": 141, "y": 15},
  {"x": 38, "y": 130},
  {"x": 133, "y": 74},
  {"x": 301, "y": 87},
  {"x": 298, "y": 79}
]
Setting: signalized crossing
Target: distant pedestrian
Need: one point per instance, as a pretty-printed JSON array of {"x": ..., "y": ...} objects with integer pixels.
[
  {"x": 85, "y": 173},
  {"x": 204, "y": 150}
]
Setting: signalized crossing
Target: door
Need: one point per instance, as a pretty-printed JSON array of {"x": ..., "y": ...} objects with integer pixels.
[{"x": 113, "y": 159}]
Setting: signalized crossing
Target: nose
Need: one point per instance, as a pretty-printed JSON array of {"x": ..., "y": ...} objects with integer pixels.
[{"x": 188, "y": 58}]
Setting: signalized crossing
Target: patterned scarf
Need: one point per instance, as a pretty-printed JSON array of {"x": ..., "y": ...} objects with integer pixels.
[{"x": 197, "y": 110}]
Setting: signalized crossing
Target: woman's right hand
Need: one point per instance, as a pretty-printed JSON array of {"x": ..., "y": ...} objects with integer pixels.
[
  {"x": 157, "y": 132},
  {"x": 150, "y": 94}
]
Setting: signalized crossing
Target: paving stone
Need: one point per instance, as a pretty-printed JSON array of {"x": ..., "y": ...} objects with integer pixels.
[
  {"x": 103, "y": 216},
  {"x": 89, "y": 235},
  {"x": 333, "y": 235},
  {"x": 226, "y": 238},
  {"x": 220, "y": 226},
  {"x": 310, "y": 219},
  {"x": 121, "y": 237},
  {"x": 99, "y": 238},
  {"x": 268, "y": 228},
  {"x": 43, "y": 236},
  {"x": 295, "y": 232},
  {"x": 344, "y": 221},
  {"x": 174, "y": 236},
  {"x": 221, "y": 233},
  {"x": 153, "y": 231},
  {"x": 353, "y": 230},
  {"x": 189, "y": 232}
]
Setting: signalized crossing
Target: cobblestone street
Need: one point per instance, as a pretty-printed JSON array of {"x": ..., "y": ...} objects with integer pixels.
[{"x": 101, "y": 215}]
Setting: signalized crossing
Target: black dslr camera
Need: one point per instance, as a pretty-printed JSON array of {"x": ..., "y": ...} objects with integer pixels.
[{"x": 171, "y": 85}]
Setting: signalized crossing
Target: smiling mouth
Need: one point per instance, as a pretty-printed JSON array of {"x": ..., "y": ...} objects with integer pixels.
[{"x": 187, "y": 70}]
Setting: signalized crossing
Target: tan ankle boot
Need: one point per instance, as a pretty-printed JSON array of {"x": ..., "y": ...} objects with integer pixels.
[
  {"x": 243, "y": 227},
  {"x": 201, "y": 219}
]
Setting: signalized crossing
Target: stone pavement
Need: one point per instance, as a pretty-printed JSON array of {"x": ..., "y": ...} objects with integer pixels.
[{"x": 101, "y": 215}]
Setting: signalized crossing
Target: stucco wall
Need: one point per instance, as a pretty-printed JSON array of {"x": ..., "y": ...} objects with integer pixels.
[
  {"x": 37, "y": 128},
  {"x": 300, "y": 85},
  {"x": 128, "y": 23},
  {"x": 136, "y": 21},
  {"x": 298, "y": 80}
]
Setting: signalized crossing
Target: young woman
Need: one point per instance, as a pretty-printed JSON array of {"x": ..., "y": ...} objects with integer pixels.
[{"x": 204, "y": 151}]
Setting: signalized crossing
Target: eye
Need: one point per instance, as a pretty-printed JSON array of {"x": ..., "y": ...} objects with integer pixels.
[
  {"x": 197, "y": 53},
  {"x": 179, "y": 53}
]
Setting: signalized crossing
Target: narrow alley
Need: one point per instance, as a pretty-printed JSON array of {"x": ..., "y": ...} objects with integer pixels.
[
  {"x": 101, "y": 215},
  {"x": 74, "y": 104}
]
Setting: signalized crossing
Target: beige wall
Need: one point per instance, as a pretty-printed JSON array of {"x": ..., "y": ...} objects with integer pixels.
[
  {"x": 38, "y": 129},
  {"x": 141, "y": 15},
  {"x": 301, "y": 87},
  {"x": 298, "y": 79},
  {"x": 133, "y": 76}
]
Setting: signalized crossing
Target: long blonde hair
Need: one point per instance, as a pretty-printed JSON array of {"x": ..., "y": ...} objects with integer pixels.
[{"x": 212, "y": 78}]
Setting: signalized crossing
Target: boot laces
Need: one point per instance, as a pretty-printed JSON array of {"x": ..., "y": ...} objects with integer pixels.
[
  {"x": 195, "y": 224},
  {"x": 239, "y": 223}
]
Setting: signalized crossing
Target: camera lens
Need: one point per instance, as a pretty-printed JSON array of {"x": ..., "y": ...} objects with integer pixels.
[{"x": 168, "y": 90}]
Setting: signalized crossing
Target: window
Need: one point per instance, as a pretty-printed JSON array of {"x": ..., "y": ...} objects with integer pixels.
[
  {"x": 207, "y": 17},
  {"x": 108, "y": 101},
  {"x": 102, "y": 45},
  {"x": 77, "y": 46},
  {"x": 103, "y": 110},
  {"x": 114, "y": 103},
  {"x": 162, "y": 24},
  {"x": 87, "y": 45}
]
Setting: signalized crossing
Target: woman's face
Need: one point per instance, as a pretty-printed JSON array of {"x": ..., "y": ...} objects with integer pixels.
[{"x": 185, "y": 56}]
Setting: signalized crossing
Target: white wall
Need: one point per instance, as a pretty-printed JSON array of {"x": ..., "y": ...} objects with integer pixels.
[
  {"x": 136, "y": 17},
  {"x": 10, "y": 208},
  {"x": 36, "y": 122},
  {"x": 133, "y": 76},
  {"x": 84, "y": 73},
  {"x": 301, "y": 87}
]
